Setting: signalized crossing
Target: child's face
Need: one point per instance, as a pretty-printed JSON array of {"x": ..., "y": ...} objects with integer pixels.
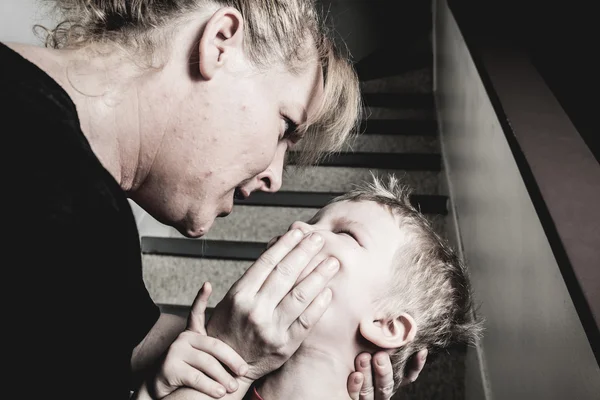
[{"x": 364, "y": 237}]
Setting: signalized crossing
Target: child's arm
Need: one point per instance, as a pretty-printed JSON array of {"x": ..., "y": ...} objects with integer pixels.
[
  {"x": 191, "y": 394},
  {"x": 196, "y": 361},
  {"x": 185, "y": 393}
]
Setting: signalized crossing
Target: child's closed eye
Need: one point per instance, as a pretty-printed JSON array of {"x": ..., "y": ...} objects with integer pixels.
[{"x": 346, "y": 232}]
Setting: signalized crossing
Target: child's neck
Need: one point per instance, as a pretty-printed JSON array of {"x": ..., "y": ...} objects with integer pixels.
[{"x": 311, "y": 374}]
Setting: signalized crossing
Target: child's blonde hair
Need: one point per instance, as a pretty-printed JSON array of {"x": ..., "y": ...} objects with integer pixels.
[{"x": 430, "y": 283}]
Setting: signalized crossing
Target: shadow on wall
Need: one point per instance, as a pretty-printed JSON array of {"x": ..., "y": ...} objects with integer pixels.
[{"x": 383, "y": 37}]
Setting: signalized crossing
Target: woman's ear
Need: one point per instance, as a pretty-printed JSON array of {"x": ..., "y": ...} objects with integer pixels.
[
  {"x": 389, "y": 333},
  {"x": 222, "y": 37}
]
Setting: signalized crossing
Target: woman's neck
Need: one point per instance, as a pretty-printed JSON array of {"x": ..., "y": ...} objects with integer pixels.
[
  {"x": 106, "y": 93},
  {"x": 311, "y": 374}
]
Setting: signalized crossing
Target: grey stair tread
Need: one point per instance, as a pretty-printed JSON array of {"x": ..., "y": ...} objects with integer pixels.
[
  {"x": 427, "y": 204},
  {"x": 176, "y": 280},
  {"x": 415, "y": 81},
  {"x": 254, "y": 224},
  {"x": 212, "y": 249},
  {"x": 405, "y": 161},
  {"x": 393, "y": 144},
  {"x": 396, "y": 126},
  {"x": 342, "y": 179},
  {"x": 372, "y": 112},
  {"x": 399, "y": 100}
]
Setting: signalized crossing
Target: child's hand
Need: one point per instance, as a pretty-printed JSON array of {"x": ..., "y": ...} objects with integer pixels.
[{"x": 195, "y": 360}]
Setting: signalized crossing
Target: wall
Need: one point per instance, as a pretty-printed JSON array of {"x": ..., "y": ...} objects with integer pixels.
[
  {"x": 534, "y": 346},
  {"x": 17, "y": 18}
]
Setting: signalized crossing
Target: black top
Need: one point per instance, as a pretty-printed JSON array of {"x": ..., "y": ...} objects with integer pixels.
[{"x": 77, "y": 305}]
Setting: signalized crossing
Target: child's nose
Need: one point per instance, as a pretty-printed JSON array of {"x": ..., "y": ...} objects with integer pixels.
[{"x": 303, "y": 226}]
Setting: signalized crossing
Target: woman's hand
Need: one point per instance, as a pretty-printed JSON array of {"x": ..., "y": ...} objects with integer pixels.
[
  {"x": 196, "y": 360},
  {"x": 265, "y": 316},
  {"x": 374, "y": 376}
]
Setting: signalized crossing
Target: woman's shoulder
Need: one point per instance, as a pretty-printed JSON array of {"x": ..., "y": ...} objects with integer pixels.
[{"x": 28, "y": 87}]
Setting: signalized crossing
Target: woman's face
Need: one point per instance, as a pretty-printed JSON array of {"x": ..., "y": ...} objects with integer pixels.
[{"x": 228, "y": 132}]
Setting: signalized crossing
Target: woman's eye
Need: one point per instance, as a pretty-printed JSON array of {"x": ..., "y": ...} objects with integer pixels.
[{"x": 291, "y": 130}]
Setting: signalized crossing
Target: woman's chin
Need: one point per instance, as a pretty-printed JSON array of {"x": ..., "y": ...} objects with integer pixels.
[{"x": 195, "y": 229}]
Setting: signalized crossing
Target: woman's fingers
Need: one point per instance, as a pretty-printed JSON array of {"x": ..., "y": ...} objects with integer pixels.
[
  {"x": 414, "y": 366},
  {"x": 300, "y": 328},
  {"x": 283, "y": 277},
  {"x": 255, "y": 276},
  {"x": 302, "y": 295},
  {"x": 362, "y": 363},
  {"x": 378, "y": 376},
  {"x": 354, "y": 384},
  {"x": 384, "y": 376}
]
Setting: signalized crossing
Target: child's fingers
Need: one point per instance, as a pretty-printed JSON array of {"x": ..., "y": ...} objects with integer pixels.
[
  {"x": 355, "y": 382},
  {"x": 193, "y": 378},
  {"x": 220, "y": 351},
  {"x": 212, "y": 368},
  {"x": 196, "y": 319}
]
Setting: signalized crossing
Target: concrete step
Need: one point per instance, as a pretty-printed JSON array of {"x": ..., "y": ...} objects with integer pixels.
[
  {"x": 427, "y": 204},
  {"x": 416, "y": 114},
  {"x": 415, "y": 81},
  {"x": 253, "y": 224},
  {"x": 394, "y": 144},
  {"x": 382, "y": 160},
  {"x": 342, "y": 179},
  {"x": 176, "y": 280}
]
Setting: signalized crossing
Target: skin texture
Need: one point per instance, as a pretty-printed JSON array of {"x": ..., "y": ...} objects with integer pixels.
[
  {"x": 180, "y": 139},
  {"x": 362, "y": 238}
]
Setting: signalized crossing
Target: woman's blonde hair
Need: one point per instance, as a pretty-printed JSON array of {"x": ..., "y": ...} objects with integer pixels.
[{"x": 276, "y": 31}]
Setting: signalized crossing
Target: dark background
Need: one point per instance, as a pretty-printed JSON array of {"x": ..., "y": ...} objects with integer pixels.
[{"x": 562, "y": 40}]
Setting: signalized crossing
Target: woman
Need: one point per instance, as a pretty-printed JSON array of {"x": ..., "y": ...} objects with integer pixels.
[{"x": 180, "y": 105}]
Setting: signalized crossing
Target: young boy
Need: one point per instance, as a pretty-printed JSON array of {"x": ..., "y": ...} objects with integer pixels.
[{"x": 399, "y": 289}]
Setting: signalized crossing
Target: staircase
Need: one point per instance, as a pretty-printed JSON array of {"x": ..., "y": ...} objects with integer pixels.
[{"x": 399, "y": 135}]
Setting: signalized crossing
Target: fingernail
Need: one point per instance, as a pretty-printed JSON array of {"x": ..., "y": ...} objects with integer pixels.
[
  {"x": 332, "y": 264},
  {"x": 379, "y": 361},
  {"x": 357, "y": 379},
  {"x": 297, "y": 234},
  {"x": 243, "y": 370},
  {"x": 364, "y": 363},
  {"x": 316, "y": 238},
  {"x": 233, "y": 385},
  {"x": 327, "y": 295},
  {"x": 221, "y": 391}
]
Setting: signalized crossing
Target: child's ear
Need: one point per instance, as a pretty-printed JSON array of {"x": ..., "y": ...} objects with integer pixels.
[
  {"x": 222, "y": 35},
  {"x": 389, "y": 333}
]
